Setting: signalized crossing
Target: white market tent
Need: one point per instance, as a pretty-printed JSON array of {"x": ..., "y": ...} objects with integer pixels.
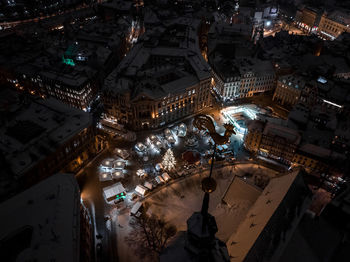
[
  {"x": 135, "y": 208},
  {"x": 121, "y": 153},
  {"x": 120, "y": 164},
  {"x": 140, "y": 147},
  {"x": 148, "y": 185},
  {"x": 159, "y": 179},
  {"x": 105, "y": 176},
  {"x": 166, "y": 177},
  {"x": 182, "y": 130},
  {"x": 117, "y": 174},
  {"x": 171, "y": 139},
  {"x": 141, "y": 190},
  {"x": 141, "y": 173},
  {"x": 108, "y": 162},
  {"x": 110, "y": 192},
  {"x": 167, "y": 132}
]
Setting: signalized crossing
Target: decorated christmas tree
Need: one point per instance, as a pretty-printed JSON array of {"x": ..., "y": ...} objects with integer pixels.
[{"x": 169, "y": 160}]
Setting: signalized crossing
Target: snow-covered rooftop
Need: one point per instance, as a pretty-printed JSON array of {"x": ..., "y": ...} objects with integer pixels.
[
  {"x": 240, "y": 189},
  {"x": 291, "y": 135},
  {"x": 176, "y": 45},
  {"x": 258, "y": 216},
  {"x": 113, "y": 190},
  {"x": 47, "y": 124},
  {"x": 43, "y": 221}
]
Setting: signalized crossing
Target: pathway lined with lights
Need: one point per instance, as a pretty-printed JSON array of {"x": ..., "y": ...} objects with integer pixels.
[{"x": 8, "y": 25}]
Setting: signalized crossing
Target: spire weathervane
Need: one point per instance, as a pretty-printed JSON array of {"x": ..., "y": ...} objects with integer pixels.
[{"x": 204, "y": 122}]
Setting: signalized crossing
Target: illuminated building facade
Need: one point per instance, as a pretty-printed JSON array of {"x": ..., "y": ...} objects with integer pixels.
[
  {"x": 76, "y": 89},
  {"x": 236, "y": 74},
  {"x": 253, "y": 137},
  {"x": 272, "y": 140},
  {"x": 328, "y": 25},
  {"x": 288, "y": 90},
  {"x": 313, "y": 158},
  {"x": 68, "y": 81},
  {"x": 334, "y": 24},
  {"x": 257, "y": 77},
  {"x": 307, "y": 146},
  {"x": 149, "y": 111},
  {"x": 227, "y": 88},
  {"x": 162, "y": 79},
  {"x": 242, "y": 77},
  {"x": 306, "y": 19}
]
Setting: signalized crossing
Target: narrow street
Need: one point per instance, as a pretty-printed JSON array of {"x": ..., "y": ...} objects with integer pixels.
[{"x": 92, "y": 195}]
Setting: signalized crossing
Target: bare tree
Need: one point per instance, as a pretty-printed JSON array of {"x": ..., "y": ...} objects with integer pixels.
[{"x": 150, "y": 234}]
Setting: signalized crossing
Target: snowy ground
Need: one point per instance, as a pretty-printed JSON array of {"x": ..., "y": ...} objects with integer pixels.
[{"x": 179, "y": 200}]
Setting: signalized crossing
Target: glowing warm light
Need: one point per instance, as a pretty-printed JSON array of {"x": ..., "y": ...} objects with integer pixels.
[
  {"x": 68, "y": 61},
  {"x": 228, "y": 112},
  {"x": 331, "y": 103},
  {"x": 169, "y": 161},
  {"x": 140, "y": 172}
]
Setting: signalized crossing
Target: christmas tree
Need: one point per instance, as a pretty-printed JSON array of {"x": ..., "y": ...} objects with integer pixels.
[{"x": 169, "y": 160}]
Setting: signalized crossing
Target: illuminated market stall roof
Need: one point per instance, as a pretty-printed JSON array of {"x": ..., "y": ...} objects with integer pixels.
[
  {"x": 166, "y": 177},
  {"x": 105, "y": 176},
  {"x": 121, "y": 153},
  {"x": 148, "y": 185},
  {"x": 113, "y": 192},
  {"x": 140, "y": 190},
  {"x": 117, "y": 174}
]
